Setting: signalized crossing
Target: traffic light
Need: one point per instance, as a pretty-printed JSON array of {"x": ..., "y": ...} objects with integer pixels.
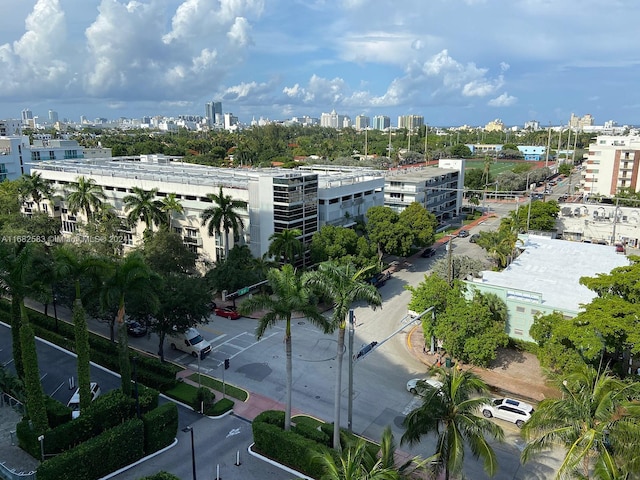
[{"x": 226, "y": 363}]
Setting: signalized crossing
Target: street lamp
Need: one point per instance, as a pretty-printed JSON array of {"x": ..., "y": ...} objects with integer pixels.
[
  {"x": 193, "y": 450},
  {"x": 41, "y": 440},
  {"x": 350, "y": 401},
  {"x": 135, "y": 379}
]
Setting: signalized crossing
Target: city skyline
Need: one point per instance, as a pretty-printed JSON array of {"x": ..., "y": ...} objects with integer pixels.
[{"x": 456, "y": 62}]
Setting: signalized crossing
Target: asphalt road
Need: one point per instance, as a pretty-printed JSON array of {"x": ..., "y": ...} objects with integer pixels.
[{"x": 379, "y": 395}]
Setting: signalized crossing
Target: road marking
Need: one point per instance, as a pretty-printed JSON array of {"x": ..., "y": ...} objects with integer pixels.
[{"x": 232, "y": 432}]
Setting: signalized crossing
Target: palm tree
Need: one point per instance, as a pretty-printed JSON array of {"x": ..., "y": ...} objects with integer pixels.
[
  {"x": 343, "y": 285},
  {"x": 451, "y": 412},
  {"x": 222, "y": 217},
  {"x": 128, "y": 276},
  {"x": 85, "y": 195},
  {"x": 597, "y": 421},
  {"x": 142, "y": 206},
  {"x": 286, "y": 245},
  {"x": 358, "y": 462},
  {"x": 36, "y": 187},
  {"x": 73, "y": 266},
  {"x": 290, "y": 295},
  {"x": 170, "y": 205}
]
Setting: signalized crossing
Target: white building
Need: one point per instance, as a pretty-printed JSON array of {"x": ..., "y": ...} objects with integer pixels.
[
  {"x": 14, "y": 154},
  {"x": 439, "y": 189},
  {"x": 545, "y": 278},
  {"x": 613, "y": 163},
  {"x": 10, "y": 128},
  {"x": 276, "y": 199}
]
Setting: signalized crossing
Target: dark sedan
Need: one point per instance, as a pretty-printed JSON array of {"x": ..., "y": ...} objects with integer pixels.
[
  {"x": 463, "y": 233},
  {"x": 428, "y": 252},
  {"x": 136, "y": 329}
]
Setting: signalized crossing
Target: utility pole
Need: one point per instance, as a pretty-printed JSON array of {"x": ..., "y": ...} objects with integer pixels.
[
  {"x": 426, "y": 147},
  {"x": 350, "y": 401},
  {"x": 546, "y": 161}
]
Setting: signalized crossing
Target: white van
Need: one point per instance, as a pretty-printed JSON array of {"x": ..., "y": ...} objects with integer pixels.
[
  {"x": 190, "y": 342},
  {"x": 74, "y": 403}
]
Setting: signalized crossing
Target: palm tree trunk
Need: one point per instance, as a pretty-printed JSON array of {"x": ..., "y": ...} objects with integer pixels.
[
  {"x": 338, "y": 389},
  {"x": 287, "y": 408},
  {"x": 226, "y": 244},
  {"x": 123, "y": 348}
]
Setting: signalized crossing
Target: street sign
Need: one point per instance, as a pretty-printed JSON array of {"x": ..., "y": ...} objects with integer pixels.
[{"x": 243, "y": 291}]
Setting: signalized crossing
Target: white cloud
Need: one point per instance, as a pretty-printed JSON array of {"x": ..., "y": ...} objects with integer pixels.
[{"x": 504, "y": 100}]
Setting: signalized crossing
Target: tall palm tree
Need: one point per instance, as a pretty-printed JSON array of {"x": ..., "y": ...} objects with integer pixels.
[
  {"x": 290, "y": 295},
  {"x": 36, "y": 187},
  {"x": 170, "y": 205},
  {"x": 142, "y": 205},
  {"x": 286, "y": 245},
  {"x": 73, "y": 266},
  {"x": 451, "y": 412},
  {"x": 128, "y": 276},
  {"x": 597, "y": 421},
  {"x": 85, "y": 195},
  {"x": 343, "y": 285},
  {"x": 222, "y": 217}
]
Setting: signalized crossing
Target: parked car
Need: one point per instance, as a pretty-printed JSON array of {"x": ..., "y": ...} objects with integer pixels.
[
  {"x": 508, "y": 409},
  {"x": 365, "y": 349},
  {"x": 417, "y": 386},
  {"x": 620, "y": 248},
  {"x": 463, "y": 233},
  {"x": 379, "y": 279},
  {"x": 228, "y": 312},
  {"x": 136, "y": 329},
  {"x": 74, "y": 403},
  {"x": 428, "y": 252},
  {"x": 189, "y": 341},
  {"x": 474, "y": 238}
]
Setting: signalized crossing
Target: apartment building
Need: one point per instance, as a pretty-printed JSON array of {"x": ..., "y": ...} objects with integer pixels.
[
  {"x": 276, "y": 199},
  {"x": 14, "y": 153},
  {"x": 612, "y": 163},
  {"x": 438, "y": 189}
]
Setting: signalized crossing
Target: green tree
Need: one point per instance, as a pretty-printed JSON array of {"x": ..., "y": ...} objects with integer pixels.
[
  {"x": 461, "y": 267},
  {"x": 597, "y": 422},
  {"x": 84, "y": 195},
  {"x": 421, "y": 222},
  {"x": 565, "y": 169},
  {"x": 450, "y": 413},
  {"x": 290, "y": 295},
  {"x": 474, "y": 179},
  {"x": 170, "y": 206},
  {"x": 37, "y": 188},
  {"x": 239, "y": 269},
  {"x": 165, "y": 253},
  {"x": 286, "y": 245},
  {"x": 74, "y": 266},
  {"x": 342, "y": 285},
  {"x": 223, "y": 217},
  {"x": 460, "y": 151},
  {"x": 106, "y": 227},
  {"x": 15, "y": 265},
  {"x": 142, "y": 205},
  {"x": 388, "y": 234},
  {"x": 126, "y": 276}
]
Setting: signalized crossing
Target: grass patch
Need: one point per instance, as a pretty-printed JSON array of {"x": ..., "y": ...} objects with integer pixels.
[
  {"x": 183, "y": 392},
  {"x": 496, "y": 167},
  {"x": 230, "y": 390},
  {"x": 307, "y": 420}
]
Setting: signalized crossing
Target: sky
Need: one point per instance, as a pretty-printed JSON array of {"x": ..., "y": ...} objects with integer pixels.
[{"x": 455, "y": 62}]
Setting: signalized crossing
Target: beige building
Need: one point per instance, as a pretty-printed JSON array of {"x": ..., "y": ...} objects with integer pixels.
[
  {"x": 612, "y": 163},
  {"x": 494, "y": 126},
  {"x": 581, "y": 122}
]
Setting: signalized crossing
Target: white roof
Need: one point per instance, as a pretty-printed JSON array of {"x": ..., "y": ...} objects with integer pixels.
[{"x": 553, "y": 268}]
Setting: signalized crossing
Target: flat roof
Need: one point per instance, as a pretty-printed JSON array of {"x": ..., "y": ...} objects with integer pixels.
[{"x": 553, "y": 268}]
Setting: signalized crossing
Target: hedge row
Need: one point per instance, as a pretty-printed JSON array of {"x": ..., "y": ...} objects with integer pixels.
[
  {"x": 290, "y": 448},
  {"x": 95, "y": 458}
]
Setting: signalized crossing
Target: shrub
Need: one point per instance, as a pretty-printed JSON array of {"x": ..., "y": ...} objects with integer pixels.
[
  {"x": 220, "y": 407},
  {"x": 160, "y": 427},
  {"x": 161, "y": 476},
  {"x": 111, "y": 450},
  {"x": 204, "y": 399},
  {"x": 57, "y": 412}
]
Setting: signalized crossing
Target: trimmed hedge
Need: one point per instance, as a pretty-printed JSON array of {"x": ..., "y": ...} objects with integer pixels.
[
  {"x": 161, "y": 476},
  {"x": 111, "y": 450},
  {"x": 160, "y": 427},
  {"x": 220, "y": 407},
  {"x": 57, "y": 412},
  {"x": 289, "y": 448}
]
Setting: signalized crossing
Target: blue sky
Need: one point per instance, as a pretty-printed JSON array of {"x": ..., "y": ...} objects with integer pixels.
[{"x": 453, "y": 61}]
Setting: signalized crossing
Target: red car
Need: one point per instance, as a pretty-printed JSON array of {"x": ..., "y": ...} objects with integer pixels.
[{"x": 228, "y": 312}]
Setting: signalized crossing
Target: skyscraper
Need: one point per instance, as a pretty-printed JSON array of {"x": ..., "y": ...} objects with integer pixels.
[
  {"x": 213, "y": 112},
  {"x": 27, "y": 117},
  {"x": 53, "y": 116}
]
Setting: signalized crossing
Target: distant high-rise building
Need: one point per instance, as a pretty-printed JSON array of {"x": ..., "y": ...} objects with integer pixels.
[
  {"x": 579, "y": 122},
  {"x": 381, "y": 122},
  {"x": 494, "y": 126},
  {"x": 333, "y": 120},
  {"x": 532, "y": 125},
  {"x": 213, "y": 111},
  {"x": 362, "y": 122},
  {"x": 53, "y": 116},
  {"x": 83, "y": 119},
  {"x": 410, "y": 122},
  {"x": 27, "y": 118},
  {"x": 230, "y": 121}
]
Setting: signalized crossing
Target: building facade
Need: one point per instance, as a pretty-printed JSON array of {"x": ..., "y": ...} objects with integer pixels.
[
  {"x": 381, "y": 122},
  {"x": 612, "y": 164},
  {"x": 545, "y": 278},
  {"x": 362, "y": 122},
  {"x": 410, "y": 122},
  {"x": 438, "y": 189}
]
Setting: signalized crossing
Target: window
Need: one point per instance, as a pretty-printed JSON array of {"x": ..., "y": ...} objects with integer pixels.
[{"x": 520, "y": 309}]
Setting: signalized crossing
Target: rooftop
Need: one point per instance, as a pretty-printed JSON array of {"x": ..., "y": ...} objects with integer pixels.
[{"x": 553, "y": 268}]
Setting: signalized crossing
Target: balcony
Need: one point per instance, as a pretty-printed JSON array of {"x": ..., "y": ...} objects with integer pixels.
[{"x": 192, "y": 241}]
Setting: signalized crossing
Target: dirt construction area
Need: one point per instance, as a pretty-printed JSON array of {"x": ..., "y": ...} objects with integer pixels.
[{"x": 513, "y": 373}]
